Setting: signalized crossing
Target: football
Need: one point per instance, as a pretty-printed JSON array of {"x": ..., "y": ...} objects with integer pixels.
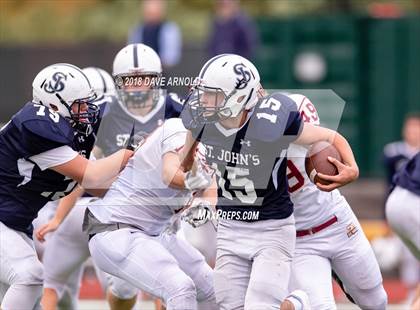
[{"x": 317, "y": 161}]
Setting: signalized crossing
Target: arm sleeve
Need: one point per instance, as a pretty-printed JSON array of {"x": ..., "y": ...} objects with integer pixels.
[
  {"x": 54, "y": 157},
  {"x": 59, "y": 133},
  {"x": 293, "y": 128},
  {"x": 39, "y": 137},
  {"x": 289, "y": 116},
  {"x": 294, "y": 125},
  {"x": 288, "y": 122}
]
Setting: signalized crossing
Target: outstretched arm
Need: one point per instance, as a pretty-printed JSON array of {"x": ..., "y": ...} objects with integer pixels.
[
  {"x": 96, "y": 174},
  {"x": 65, "y": 205}
]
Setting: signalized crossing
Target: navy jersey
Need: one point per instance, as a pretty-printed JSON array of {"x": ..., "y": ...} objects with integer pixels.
[
  {"x": 117, "y": 123},
  {"x": 250, "y": 163},
  {"x": 408, "y": 177},
  {"x": 24, "y": 187}
]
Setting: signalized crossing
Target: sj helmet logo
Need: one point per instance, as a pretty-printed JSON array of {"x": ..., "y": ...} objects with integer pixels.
[
  {"x": 56, "y": 84},
  {"x": 244, "y": 75}
]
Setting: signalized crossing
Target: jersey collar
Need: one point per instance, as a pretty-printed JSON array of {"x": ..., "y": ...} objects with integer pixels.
[
  {"x": 228, "y": 132},
  {"x": 148, "y": 116}
]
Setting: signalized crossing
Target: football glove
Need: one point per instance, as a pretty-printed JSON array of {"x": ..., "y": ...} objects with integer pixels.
[
  {"x": 201, "y": 178},
  {"x": 174, "y": 225},
  {"x": 198, "y": 214}
]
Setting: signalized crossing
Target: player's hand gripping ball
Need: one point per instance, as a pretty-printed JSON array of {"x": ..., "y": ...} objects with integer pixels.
[
  {"x": 317, "y": 161},
  {"x": 200, "y": 177}
]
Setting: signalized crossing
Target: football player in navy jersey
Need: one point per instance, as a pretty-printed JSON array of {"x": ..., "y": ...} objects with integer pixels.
[
  {"x": 246, "y": 133},
  {"x": 140, "y": 105},
  {"x": 69, "y": 243},
  {"x": 403, "y": 205},
  {"x": 103, "y": 86},
  {"x": 43, "y": 151},
  {"x": 403, "y": 210},
  {"x": 398, "y": 153},
  {"x": 64, "y": 251}
]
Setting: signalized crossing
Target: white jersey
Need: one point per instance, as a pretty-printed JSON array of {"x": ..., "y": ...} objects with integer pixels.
[
  {"x": 139, "y": 197},
  {"x": 312, "y": 206}
]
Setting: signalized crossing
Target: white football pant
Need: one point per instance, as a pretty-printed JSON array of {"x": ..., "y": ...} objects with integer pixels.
[
  {"x": 65, "y": 254},
  {"x": 343, "y": 247},
  {"x": 403, "y": 214},
  {"x": 253, "y": 263},
  {"x": 20, "y": 270},
  {"x": 164, "y": 266}
]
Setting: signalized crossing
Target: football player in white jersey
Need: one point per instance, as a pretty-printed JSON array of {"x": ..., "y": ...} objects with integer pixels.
[
  {"x": 329, "y": 236},
  {"x": 127, "y": 226}
]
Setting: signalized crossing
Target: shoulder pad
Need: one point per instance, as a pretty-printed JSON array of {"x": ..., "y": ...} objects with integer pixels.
[
  {"x": 173, "y": 98},
  {"x": 173, "y": 105},
  {"x": 271, "y": 116},
  {"x": 42, "y": 123},
  {"x": 172, "y": 126}
]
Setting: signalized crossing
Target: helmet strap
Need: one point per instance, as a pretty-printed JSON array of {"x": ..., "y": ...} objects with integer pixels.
[{"x": 249, "y": 97}]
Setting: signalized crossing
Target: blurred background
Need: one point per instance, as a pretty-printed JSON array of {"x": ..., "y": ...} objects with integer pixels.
[{"x": 366, "y": 51}]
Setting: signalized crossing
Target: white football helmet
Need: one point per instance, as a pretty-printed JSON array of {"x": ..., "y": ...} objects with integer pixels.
[
  {"x": 227, "y": 85},
  {"x": 61, "y": 86},
  {"x": 306, "y": 108},
  {"x": 101, "y": 82},
  {"x": 137, "y": 70}
]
